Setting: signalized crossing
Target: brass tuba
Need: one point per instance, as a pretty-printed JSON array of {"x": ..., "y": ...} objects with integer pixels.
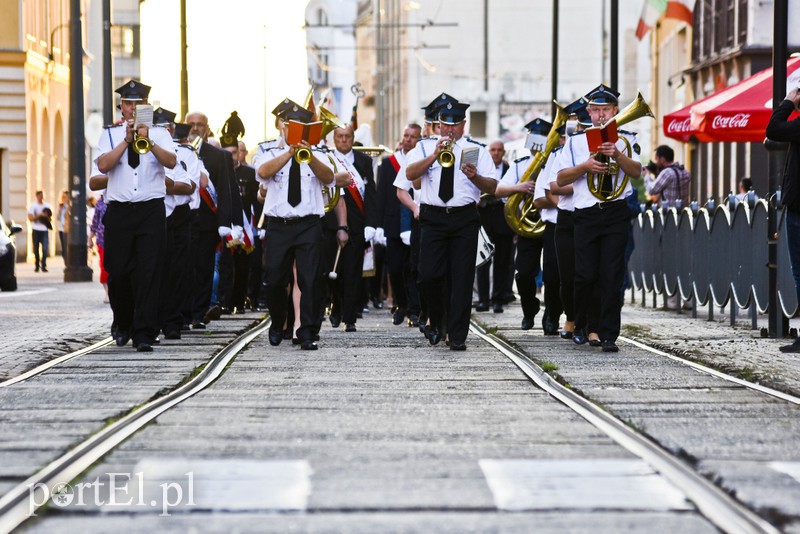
[
  {"x": 635, "y": 110},
  {"x": 520, "y": 213},
  {"x": 329, "y": 121}
]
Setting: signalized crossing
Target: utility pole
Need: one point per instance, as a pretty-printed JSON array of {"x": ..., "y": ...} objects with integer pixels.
[
  {"x": 184, "y": 70},
  {"x": 380, "y": 76},
  {"x": 76, "y": 269},
  {"x": 614, "y": 48},
  {"x": 778, "y": 324},
  {"x": 108, "y": 90},
  {"x": 554, "y": 66}
]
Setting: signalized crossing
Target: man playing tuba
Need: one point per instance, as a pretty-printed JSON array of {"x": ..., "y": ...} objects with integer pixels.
[{"x": 601, "y": 217}]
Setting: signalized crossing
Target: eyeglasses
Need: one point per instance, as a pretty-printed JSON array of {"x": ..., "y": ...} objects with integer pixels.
[{"x": 197, "y": 124}]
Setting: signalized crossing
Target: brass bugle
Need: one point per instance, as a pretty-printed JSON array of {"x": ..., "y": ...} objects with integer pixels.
[
  {"x": 446, "y": 157},
  {"x": 302, "y": 155}
]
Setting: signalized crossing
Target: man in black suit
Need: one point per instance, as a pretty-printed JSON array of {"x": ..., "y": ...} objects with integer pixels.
[
  {"x": 360, "y": 202},
  {"x": 219, "y": 215},
  {"x": 398, "y": 239},
  {"x": 493, "y": 220}
]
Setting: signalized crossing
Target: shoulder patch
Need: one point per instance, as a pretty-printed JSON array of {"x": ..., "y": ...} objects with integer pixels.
[
  {"x": 637, "y": 148},
  {"x": 183, "y": 164},
  {"x": 523, "y": 158},
  {"x": 471, "y": 140}
]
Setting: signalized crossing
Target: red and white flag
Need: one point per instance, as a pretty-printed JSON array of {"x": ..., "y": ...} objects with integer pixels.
[{"x": 652, "y": 10}]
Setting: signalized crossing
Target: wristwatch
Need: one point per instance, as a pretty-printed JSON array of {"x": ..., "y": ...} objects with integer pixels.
[{"x": 345, "y": 228}]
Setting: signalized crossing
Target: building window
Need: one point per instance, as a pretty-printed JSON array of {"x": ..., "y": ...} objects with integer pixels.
[
  {"x": 322, "y": 17},
  {"x": 742, "y": 29},
  {"x": 124, "y": 41},
  {"x": 317, "y": 67}
]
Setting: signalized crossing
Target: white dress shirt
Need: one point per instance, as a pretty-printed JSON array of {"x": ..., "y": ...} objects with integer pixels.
[
  {"x": 277, "y": 200},
  {"x": 126, "y": 184},
  {"x": 543, "y": 184},
  {"x": 575, "y": 152},
  {"x": 464, "y": 191},
  {"x": 186, "y": 171}
]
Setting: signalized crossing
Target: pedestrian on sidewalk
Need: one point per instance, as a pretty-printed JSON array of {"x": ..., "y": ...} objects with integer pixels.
[
  {"x": 97, "y": 236},
  {"x": 39, "y": 214},
  {"x": 780, "y": 128}
]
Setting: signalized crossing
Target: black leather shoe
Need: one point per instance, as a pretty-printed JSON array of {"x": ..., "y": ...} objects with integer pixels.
[
  {"x": 398, "y": 317},
  {"x": 315, "y": 337},
  {"x": 550, "y": 329},
  {"x": 527, "y": 323},
  {"x": 287, "y": 334},
  {"x": 595, "y": 343},
  {"x": 225, "y": 311},
  {"x": 376, "y": 303},
  {"x": 122, "y": 339},
  {"x": 413, "y": 321},
  {"x": 609, "y": 346},
  {"x": 156, "y": 341},
  {"x": 336, "y": 320},
  {"x": 172, "y": 334},
  {"x": 309, "y": 345},
  {"x": 186, "y": 326},
  {"x": 212, "y": 314},
  {"x": 579, "y": 338},
  {"x": 44, "y": 269},
  {"x": 481, "y": 307},
  {"x": 197, "y": 325},
  {"x": 275, "y": 337},
  {"x": 349, "y": 327},
  {"x": 497, "y": 308},
  {"x": 295, "y": 341},
  {"x": 566, "y": 334},
  {"x": 433, "y": 335},
  {"x": 144, "y": 347},
  {"x": 458, "y": 346}
]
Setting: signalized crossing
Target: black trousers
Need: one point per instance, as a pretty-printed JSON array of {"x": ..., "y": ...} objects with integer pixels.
[
  {"x": 553, "y": 308},
  {"x": 528, "y": 263},
  {"x": 176, "y": 282},
  {"x": 234, "y": 266},
  {"x": 397, "y": 268},
  {"x": 286, "y": 244},
  {"x": 502, "y": 262},
  {"x": 328, "y": 297},
  {"x": 448, "y": 245},
  {"x": 207, "y": 243},
  {"x": 565, "y": 252},
  {"x": 601, "y": 235},
  {"x": 418, "y": 302},
  {"x": 134, "y": 241},
  {"x": 40, "y": 241},
  {"x": 350, "y": 280},
  {"x": 254, "y": 272}
]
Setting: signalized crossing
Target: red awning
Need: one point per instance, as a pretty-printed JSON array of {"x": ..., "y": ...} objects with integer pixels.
[{"x": 739, "y": 113}]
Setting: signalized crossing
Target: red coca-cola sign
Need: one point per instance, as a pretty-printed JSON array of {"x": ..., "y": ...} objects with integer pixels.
[
  {"x": 729, "y": 122},
  {"x": 679, "y": 126}
]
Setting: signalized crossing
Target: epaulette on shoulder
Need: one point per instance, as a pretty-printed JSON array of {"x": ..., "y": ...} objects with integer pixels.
[
  {"x": 578, "y": 133},
  {"x": 556, "y": 149},
  {"x": 266, "y": 144},
  {"x": 627, "y": 132},
  {"x": 430, "y": 138},
  {"x": 321, "y": 148},
  {"x": 109, "y": 126},
  {"x": 471, "y": 140},
  {"x": 184, "y": 145},
  {"x": 523, "y": 158}
]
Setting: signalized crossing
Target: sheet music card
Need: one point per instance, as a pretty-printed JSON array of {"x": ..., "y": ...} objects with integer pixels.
[
  {"x": 143, "y": 116},
  {"x": 470, "y": 156}
]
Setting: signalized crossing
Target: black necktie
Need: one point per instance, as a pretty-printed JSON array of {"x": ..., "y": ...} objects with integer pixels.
[
  {"x": 446, "y": 184},
  {"x": 294, "y": 183},
  {"x": 133, "y": 157}
]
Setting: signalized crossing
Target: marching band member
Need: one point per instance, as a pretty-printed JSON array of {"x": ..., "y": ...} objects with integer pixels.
[
  {"x": 359, "y": 201},
  {"x": 449, "y": 219},
  {"x": 493, "y": 220},
  {"x": 135, "y": 219},
  {"x": 601, "y": 227},
  {"x": 398, "y": 249},
  {"x": 182, "y": 181},
  {"x": 293, "y": 208},
  {"x": 219, "y": 213}
]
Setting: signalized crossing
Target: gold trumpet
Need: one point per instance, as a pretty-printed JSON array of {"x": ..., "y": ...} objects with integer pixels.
[
  {"x": 141, "y": 145},
  {"x": 302, "y": 155},
  {"x": 615, "y": 187},
  {"x": 446, "y": 158},
  {"x": 519, "y": 211}
]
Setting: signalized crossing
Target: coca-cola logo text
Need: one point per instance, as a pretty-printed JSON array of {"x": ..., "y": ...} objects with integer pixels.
[
  {"x": 739, "y": 120},
  {"x": 679, "y": 126}
]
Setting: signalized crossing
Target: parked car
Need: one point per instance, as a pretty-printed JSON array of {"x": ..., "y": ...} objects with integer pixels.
[{"x": 8, "y": 255}]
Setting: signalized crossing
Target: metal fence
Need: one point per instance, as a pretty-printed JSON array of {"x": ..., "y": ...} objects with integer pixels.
[{"x": 716, "y": 256}]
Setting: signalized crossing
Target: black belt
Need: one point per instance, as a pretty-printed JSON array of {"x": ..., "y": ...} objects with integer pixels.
[
  {"x": 448, "y": 209},
  {"x": 291, "y": 220}
]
